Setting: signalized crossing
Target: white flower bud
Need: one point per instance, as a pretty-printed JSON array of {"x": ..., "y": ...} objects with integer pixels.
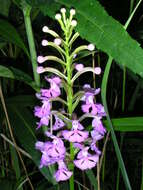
[
  {"x": 72, "y": 11},
  {"x": 40, "y": 59},
  {"x": 45, "y": 29},
  {"x": 63, "y": 10},
  {"x": 44, "y": 42},
  {"x": 73, "y": 23},
  {"x": 97, "y": 70},
  {"x": 58, "y": 16},
  {"x": 90, "y": 47},
  {"x": 57, "y": 41},
  {"x": 40, "y": 69}
]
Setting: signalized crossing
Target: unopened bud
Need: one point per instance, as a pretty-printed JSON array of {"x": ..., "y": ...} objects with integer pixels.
[
  {"x": 72, "y": 11},
  {"x": 63, "y": 10},
  {"x": 58, "y": 16},
  {"x": 90, "y": 47},
  {"x": 45, "y": 29},
  {"x": 73, "y": 23},
  {"x": 44, "y": 42},
  {"x": 40, "y": 59},
  {"x": 97, "y": 70},
  {"x": 57, "y": 41},
  {"x": 40, "y": 69}
]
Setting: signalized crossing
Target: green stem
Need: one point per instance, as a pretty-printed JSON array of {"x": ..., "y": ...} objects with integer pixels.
[
  {"x": 28, "y": 26},
  {"x": 69, "y": 103},
  {"x": 124, "y": 89},
  {"x": 118, "y": 171}
]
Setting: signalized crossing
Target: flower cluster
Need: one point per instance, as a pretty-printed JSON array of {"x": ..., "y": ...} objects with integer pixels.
[{"x": 65, "y": 128}]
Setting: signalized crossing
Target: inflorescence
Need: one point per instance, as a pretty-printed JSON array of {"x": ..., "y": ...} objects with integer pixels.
[{"x": 65, "y": 127}]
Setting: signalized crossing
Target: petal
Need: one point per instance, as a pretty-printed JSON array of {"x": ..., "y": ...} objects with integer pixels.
[
  {"x": 87, "y": 162},
  {"x": 57, "y": 80},
  {"x": 44, "y": 121},
  {"x": 78, "y": 136},
  {"x": 62, "y": 175},
  {"x": 85, "y": 108},
  {"x": 39, "y": 145},
  {"x": 46, "y": 93},
  {"x": 58, "y": 123},
  {"x": 81, "y": 164}
]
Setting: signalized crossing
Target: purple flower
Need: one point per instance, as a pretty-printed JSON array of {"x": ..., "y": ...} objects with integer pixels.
[
  {"x": 96, "y": 135},
  {"x": 57, "y": 150},
  {"x": 54, "y": 90},
  {"x": 44, "y": 110},
  {"x": 100, "y": 110},
  {"x": 86, "y": 160},
  {"x": 98, "y": 126},
  {"x": 75, "y": 135},
  {"x": 94, "y": 147},
  {"x": 88, "y": 98},
  {"x": 58, "y": 123},
  {"x": 52, "y": 151},
  {"x": 45, "y": 159},
  {"x": 62, "y": 173},
  {"x": 43, "y": 113}
]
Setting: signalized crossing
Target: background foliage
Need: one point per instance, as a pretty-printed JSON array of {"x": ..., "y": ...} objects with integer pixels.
[{"x": 103, "y": 28}]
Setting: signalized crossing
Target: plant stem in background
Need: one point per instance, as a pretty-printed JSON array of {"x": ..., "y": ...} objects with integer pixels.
[{"x": 28, "y": 26}]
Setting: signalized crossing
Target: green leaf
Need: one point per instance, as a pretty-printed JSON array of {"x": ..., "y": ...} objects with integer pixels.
[
  {"x": 9, "y": 34},
  {"x": 105, "y": 32},
  {"x": 92, "y": 178},
  {"x": 130, "y": 124},
  {"x": 24, "y": 129},
  {"x": 4, "y": 7},
  {"x": 114, "y": 139},
  {"x": 6, "y": 184},
  {"x": 22, "y": 100},
  {"x": 17, "y": 74}
]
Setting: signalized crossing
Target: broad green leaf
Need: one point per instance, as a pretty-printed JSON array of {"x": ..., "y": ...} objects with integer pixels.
[
  {"x": 23, "y": 124},
  {"x": 10, "y": 34},
  {"x": 130, "y": 124},
  {"x": 22, "y": 100},
  {"x": 17, "y": 74},
  {"x": 105, "y": 32},
  {"x": 4, "y": 7}
]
